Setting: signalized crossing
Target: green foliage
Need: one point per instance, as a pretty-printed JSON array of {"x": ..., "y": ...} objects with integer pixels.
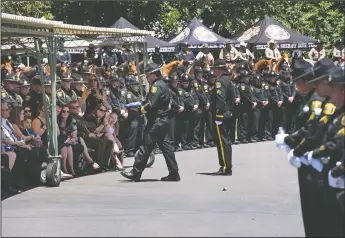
[{"x": 323, "y": 20}]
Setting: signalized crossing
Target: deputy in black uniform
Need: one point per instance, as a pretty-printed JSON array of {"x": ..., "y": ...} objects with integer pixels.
[
  {"x": 65, "y": 94},
  {"x": 275, "y": 99},
  {"x": 156, "y": 109},
  {"x": 236, "y": 110},
  {"x": 223, "y": 97},
  {"x": 127, "y": 54},
  {"x": 177, "y": 107},
  {"x": 8, "y": 93},
  {"x": 63, "y": 56},
  {"x": 35, "y": 96},
  {"x": 157, "y": 57},
  {"x": 24, "y": 88},
  {"x": 91, "y": 56},
  {"x": 109, "y": 58},
  {"x": 288, "y": 90},
  {"x": 134, "y": 121}
]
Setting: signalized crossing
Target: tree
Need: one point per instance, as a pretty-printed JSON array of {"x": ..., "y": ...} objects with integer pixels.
[{"x": 35, "y": 9}]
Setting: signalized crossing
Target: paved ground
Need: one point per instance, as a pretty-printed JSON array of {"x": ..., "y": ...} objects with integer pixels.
[{"x": 262, "y": 200}]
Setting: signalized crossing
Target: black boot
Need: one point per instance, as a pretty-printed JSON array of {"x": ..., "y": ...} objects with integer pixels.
[
  {"x": 132, "y": 175},
  {"x": 172, "y": 177}
]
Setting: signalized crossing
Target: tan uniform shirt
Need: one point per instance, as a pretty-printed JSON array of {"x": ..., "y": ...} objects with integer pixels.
[
  {"x": 272, "y": 54},
  {"x": 228, "y": 54},
  {"x": 316, "y": 55}
]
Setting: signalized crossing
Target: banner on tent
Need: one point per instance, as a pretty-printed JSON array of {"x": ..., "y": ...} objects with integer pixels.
[
  {"x": 288, "y": 46},
  {"x": 163, "y": 49}
]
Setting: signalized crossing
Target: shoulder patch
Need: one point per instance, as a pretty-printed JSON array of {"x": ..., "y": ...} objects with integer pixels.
[
  {"x": 316, "y": 104},
  {"x": 27, "y": 98},
  {"x": 219, "y": 91},
  {"x": 343, "y": 121},
  {"x": 129, "y": 95},
  {"x": 266, "y": 87},
  {"x": 243, "y": 88},
  {"x": 3, "y": 94},
  {"x": 153, "y": 89},
  {"x": 180, "y": 92},
  {"x": 218, "y": 85},
  {"x": 206, "y": 87},
  {"x": 329, "y": 109}
]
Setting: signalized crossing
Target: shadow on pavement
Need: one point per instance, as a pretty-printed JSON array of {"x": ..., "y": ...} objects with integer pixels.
[{"x": 141, "y": 180}]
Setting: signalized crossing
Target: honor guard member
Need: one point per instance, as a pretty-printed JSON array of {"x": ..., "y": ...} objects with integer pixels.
[
  {"x": 244, "y": 53},
  {"x": 157, "y": 57},
  {"x": 177, "y": 107},
  {"x": 222, "y": 102},
  {"x": 272, "y": 53},
  {"x": 339, "y": 52},
  {"x": 109, "y": 58},
  {"x": 185, "y": 54},
  {"x": 288, "y": 89},
  {"x": 35, "y": 97},
  {"x": 134, "y": 121},
  {"x": 65, "y": 94},
  {"x": 229, "y": 53},
  {"x": 24, "y": 88},
  {"x": 156, "y": 107},
  {"x": 318, "y": 53},
  {"x": 127, "y": 54},
  {"x": 8, "y": 93}
]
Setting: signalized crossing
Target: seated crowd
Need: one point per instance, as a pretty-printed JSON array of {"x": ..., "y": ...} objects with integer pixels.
[{"x": 25, "y": 143}]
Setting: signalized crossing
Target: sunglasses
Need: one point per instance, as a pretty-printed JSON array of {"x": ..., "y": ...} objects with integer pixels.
[
  {"x": 102, "y": 110},
  {"x": 65, "y": 111},
  {"x": 27, "y": 111}
]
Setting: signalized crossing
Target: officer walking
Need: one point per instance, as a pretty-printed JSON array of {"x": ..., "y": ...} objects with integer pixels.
[
  {"x": 156, "y": 108},
  {"x": 222, "y": 102}
]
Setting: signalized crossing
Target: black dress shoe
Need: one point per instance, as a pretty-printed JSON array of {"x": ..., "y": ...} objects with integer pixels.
[
  {"x": 193, "y": 147},
  {"x": 184, "y": 147},
  {"x": 270, "y": 138},
  {"x": 206, "y": 146},
  {"x": 236, "y": 142},
  {"x": 211, "y": 144},
  {"x": 131, "y": 175},
  {"x": 244, "y": 142},
  {"x": 251, "y": 141},
  {"x": 262, "y": 139},
  {"x": 220, "y": 172},
  {"x": 171, "y": 178}
]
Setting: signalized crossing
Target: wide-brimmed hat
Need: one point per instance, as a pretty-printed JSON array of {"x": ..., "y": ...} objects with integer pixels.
[
  {"x": 24, "y": 83},
  {"x": 11, "y": 78},
  {"x": 242, "y": 43},
  {"x": 204, "y": 46},
  {"x": 114, "y": 77},
  {"x": 271, "y": 42},
  {"x": 337, "y": 77},
  {"x": 322, "y": 68},
  {"x": 301, "y": 69},
  {"x": 77, "y": 78},
  {"x": 66, "y": 77},
  {"x": 85, "y": 70},
  {"x": 228, "y": 41},
  {"x": 152, "y": 68}
]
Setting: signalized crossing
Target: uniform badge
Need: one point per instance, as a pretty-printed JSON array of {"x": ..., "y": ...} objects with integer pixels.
[
  {"x": 153, "y": 89},
  {"x": 218, "y": 85},
  {"x": 329, "y": 109},
  {"x": 341, "y": 131},
  {"x": 219, "y": 91},
  {"x": 27, "y": 98},
  {"x": 343, "y": 121},
  {"x": 316, "y": 104},
  {"x": 243, "y": 88},
  {"x": 107, "y": 92},
  {"x": 59, "y": 94},
  {"x": 180, "y": 92},
  {"x": 3, "y": 94},
  {"x": 266, "y": 87},
  {"x": 129, "y": 96}
]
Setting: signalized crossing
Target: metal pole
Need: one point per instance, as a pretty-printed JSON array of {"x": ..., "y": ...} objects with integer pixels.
[
  {"x": 53, "y": 101},
  {"x": 145, "y": 58},
  {"x": 136, "y": 57}
]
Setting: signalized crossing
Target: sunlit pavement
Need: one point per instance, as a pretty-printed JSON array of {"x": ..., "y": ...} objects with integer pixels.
[{"x": 261, "y": 199}]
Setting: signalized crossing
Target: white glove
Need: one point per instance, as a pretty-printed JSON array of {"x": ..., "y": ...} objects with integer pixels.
[
  {"x": 219, "y": 123},
  {"x": 336, "y": 182},
  {"x": 294, "y": 161},
  {"x": 280, "y": 143},
  {"x": 315, "y": 163},
  {"x": 304, "y": 159}
]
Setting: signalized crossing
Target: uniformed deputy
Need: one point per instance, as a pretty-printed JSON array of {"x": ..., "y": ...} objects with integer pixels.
[
  {"x": 205, "y": 56},
  {"x": 244, "y": 53},
  {"x": 272, "y": 53},
  {"x": 157, "y": 57},
  {"x": 90, "y": 55},
  {"x": 8, "y": 93},
  {"x": 318, "y": 53},
  {"x": 63, "y": 56},
  {"x": 109, "y": 58},
  {"x": 24, "y": 88},
  {"x": 35, "y": 97},
  {"x": 48, "y": 88},
  {"x": 134, "y": 122},
  {"x": 222, "y": 102},
  {"x": 65, "y": 94},
  {"x": 185, "y": 54},
  {"x": 78, "y": 86},
  {"x": 339, "y": 52},
  {"x": 156, "y": 108},
  {"x": 127, "y": 54},
  {"x": 229, "y": 53}
]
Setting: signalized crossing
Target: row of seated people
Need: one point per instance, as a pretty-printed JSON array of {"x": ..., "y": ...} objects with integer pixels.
[{"x": 25, "y": 142}]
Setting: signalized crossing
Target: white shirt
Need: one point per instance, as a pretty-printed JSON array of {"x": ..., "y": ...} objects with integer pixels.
[
  {"x": 209, "y": 57},
  {"x": 7, "y": 130},
  {"x": 316, "y": 55},
  {"x": 228, "y": 54},
  {"x": 272, "y": 54}
]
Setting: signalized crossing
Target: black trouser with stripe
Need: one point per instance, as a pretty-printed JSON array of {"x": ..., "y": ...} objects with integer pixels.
[{"x": 223, "y": 143}]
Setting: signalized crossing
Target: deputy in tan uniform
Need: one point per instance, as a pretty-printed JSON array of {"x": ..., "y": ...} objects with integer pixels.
[
  {"x": 272, "y": 53},
  {"x": 8, "y": 93},
  {"x": 65, "y": 94},
  {"x": 205, "y": 56},
  {"x": 229, "y": 53},
  {"x": 244, "y": 53},
  {"x": 315, "y": 54},
  {"x": 338, "y": 52}
]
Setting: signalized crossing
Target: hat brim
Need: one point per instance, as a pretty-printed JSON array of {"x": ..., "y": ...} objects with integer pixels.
[
  {"x": 66, "y": 79},
  {"x": 218, "y": 66},
  {"x": 13, "y": 81},
  {"x": 86, "y": 73},
  {"x": 303, "y": 75},
  {"x": 322, "y": 76}
]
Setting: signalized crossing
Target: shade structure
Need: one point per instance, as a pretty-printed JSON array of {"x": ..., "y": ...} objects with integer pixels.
[
  {"x": 196, "y": 34},
  {"x": 151, "y": 41},
  {"x": 269, "y": 29}
]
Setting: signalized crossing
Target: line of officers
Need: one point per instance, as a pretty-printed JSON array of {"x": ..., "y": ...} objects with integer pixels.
[{"x": 316, "y": 148}]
